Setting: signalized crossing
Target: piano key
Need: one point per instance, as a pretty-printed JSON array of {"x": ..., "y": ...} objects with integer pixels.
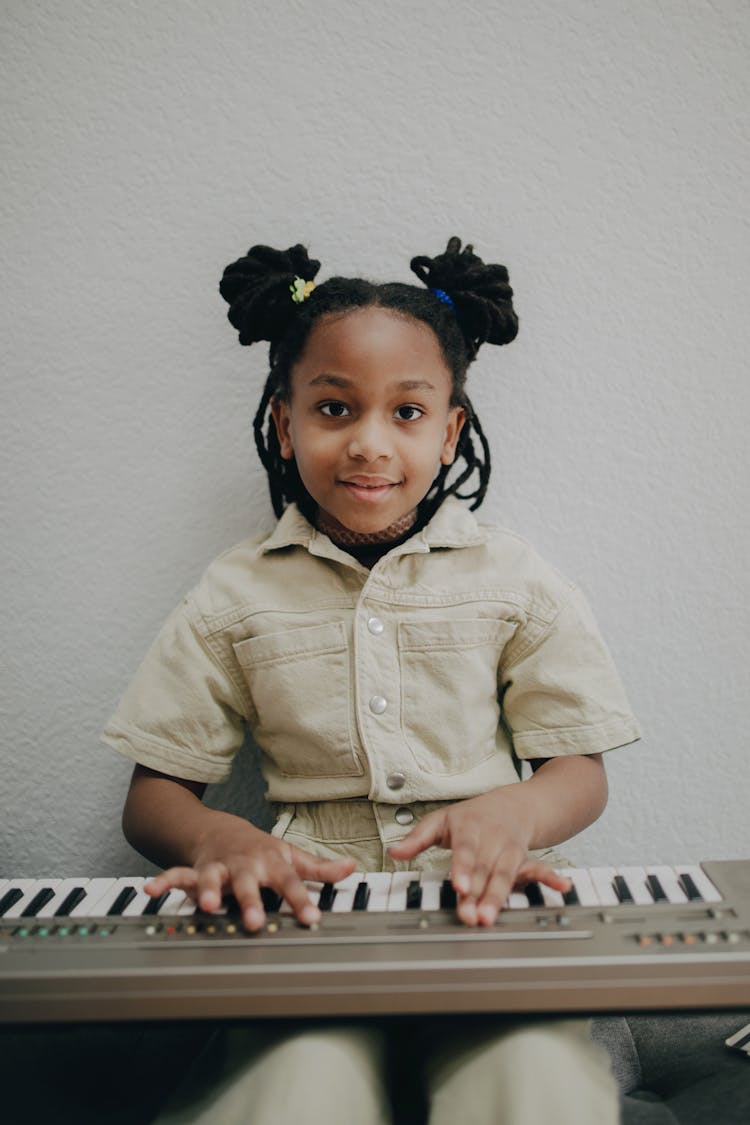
[
  {"x": 517, "y": 900},
  {"x": 175, "y": 900},
  {"x": 602, "y": 878},
  {"x": 361, "y": 896},
  {"x": 707, "y": 890},
  {"x": 413, "y": 895},
  {"x": 16, "y": 896},
  {"x": 636, "y": 880},
  {"x": 314, "y": 889},
  {"x": 63, "y": 888},
  {"x": 345, "y": 891},
  {"x": 621, "y": 889},
  {"x": 447, "y": 895},
  {"x": 154, "y": 905},
  {"x": 123, "y": 899},
  {"x": 430, "y": 883},
  {"x": 29, "y": 905},
  {"x": 40, "y": 900},
  {"x": 95, "y": 893},
  {"x": 271, "y": 900},
  {"x": 686, "y": 882},
  {"x": 140, "y": 900},
  {"x": 657, "y": 890},
  {"x": 534, "y": 894},
  {"x": 551, "y": 896},
  {"x": 399, "y": 884},
  {"x": 327, "y": 897},
  {"x": 570, "y": 897},
  {"x": 582, "y": 884},
  {"x": 379, "y": 883},
  {"x": 668, "y": 879},
  {"x": 74, "y": 897}
]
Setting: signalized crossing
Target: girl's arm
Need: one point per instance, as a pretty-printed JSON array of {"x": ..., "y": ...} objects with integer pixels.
[
  {"x": 210, "y": 853},
  {"x": 491, "y": 835}
]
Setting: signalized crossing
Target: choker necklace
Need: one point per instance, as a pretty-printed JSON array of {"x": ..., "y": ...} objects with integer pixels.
[{"x": 344, "y": 537}]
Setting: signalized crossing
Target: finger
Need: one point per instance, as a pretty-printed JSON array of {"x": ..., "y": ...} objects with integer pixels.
[
  {"x": 310, "y": 866},
  {"x": 464, "y": 867},
  {"x": 183, "y": 878},
  {"x": 246, "y": 889},
  {"x": 287, "y": 882},
  {"x": 535, "y": 871},
  {"x": 430, "y": 831},
  {"x": 211, "y": 880},
  {"x": 494, "y": 896}
]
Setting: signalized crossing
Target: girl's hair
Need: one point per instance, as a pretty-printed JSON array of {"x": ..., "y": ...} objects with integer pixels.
[{"x": 272, "y": 296}]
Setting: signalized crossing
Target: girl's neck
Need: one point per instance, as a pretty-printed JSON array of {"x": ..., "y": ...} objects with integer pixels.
[{"x": 366, "y": 546}]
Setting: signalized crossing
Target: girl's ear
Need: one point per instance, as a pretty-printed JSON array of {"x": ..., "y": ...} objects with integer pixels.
[
  {"x": 282, "y": 421},
  {"x": 454, "y": 425}
]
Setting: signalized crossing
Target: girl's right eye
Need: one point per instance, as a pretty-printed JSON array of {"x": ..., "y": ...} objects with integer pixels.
[{"x": 334, "y": 409}]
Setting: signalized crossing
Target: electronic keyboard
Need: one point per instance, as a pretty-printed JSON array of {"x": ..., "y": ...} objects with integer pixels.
[{"x": 623, "y": 938}]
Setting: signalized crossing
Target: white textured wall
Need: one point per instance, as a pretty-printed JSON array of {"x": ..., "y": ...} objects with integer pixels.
[{"x": 600, "y": 149}]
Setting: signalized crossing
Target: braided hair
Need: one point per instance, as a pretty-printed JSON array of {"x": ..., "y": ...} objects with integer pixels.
[{"x": 272, "y": 296}]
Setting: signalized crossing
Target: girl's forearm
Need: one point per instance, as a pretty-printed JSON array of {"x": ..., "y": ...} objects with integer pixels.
[
  {"x": 563, "y": 797},
  {"x": 164, "y": 818}
]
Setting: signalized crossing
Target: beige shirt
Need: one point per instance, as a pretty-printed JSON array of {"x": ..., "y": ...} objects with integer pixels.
[{"x": 423, "y": 679}]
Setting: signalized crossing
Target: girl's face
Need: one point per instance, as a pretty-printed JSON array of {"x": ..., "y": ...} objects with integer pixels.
[{"x": 369, "y": 419}]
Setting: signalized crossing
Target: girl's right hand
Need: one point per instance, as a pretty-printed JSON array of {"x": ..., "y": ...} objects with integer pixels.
[{"x": 239, "y": 859}]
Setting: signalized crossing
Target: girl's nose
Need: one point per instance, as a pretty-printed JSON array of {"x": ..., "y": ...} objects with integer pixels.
[{"x": 369, "y": 441}]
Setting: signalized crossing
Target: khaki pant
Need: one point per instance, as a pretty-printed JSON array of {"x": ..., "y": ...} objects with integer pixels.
[{"x": 476, "y": 1069}]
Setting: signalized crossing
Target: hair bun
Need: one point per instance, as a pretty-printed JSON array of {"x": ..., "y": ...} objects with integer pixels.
[
  {"x": 257, "y": 290},
  {"x": 481, "y": 294}
]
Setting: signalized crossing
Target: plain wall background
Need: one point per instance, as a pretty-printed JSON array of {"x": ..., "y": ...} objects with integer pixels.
[{"x": 600, "y": 150}]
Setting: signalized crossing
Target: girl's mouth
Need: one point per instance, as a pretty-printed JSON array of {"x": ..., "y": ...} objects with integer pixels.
[{"x": 368, "y": 491}]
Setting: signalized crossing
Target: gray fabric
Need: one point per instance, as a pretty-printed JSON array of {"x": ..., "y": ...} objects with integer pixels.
[{"x": 676, "y": 1070}]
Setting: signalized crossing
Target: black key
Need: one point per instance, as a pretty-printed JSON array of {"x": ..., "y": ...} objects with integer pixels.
[
  {"x": 271, "y": 900},
  {"x": 125, "y": 897},
  {"x": 155, "y": 905},
  {"x": 70, "y": 901},
  {"x": 657, "y": 891},
  {"x": 40, "y": 899},
  {"x": 327, "y": 895},
  {"x": 570, "y": 898},
  {"x": 689, "y": 887},
  {"x": 621, "y": 889},
  {"x": 534, "y": 894},
  {"x": 361, "y": 896},
  {"x": 414, "y": 895},
  {"x": 447, "y": 895},
  {"x": 10, "y": 898}
]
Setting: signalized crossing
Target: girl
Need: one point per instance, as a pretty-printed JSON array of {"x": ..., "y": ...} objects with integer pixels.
[{"x": 395, "y": 661}]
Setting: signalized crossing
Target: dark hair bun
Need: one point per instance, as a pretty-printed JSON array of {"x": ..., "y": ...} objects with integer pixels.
[
  {"x": 481, "y": 294},
  {"x": 257, "y": 290}
]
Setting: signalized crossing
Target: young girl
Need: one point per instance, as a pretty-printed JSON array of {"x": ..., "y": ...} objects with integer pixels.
[{"x": 395, "y": 661}]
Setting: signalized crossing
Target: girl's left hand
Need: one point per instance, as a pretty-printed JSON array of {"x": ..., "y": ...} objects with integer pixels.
[{"x": 490, "y": 853}]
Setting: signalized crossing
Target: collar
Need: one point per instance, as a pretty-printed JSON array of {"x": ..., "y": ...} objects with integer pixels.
[{"x": 452, "y": 526}]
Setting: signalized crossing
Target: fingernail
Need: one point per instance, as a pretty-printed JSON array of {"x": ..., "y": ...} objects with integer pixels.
[{"x": 254, "y": 917}]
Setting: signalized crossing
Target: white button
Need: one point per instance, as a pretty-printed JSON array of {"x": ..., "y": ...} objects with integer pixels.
[
  {"x": 378, "y": 704},
  {"x": 375, "y": 625},
  {"x": 396, "y": 780},
  {"x": 404, "y": 815}
]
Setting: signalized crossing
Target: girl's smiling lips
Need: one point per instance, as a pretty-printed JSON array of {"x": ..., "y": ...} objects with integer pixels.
[{"x": 368, "y": 488}]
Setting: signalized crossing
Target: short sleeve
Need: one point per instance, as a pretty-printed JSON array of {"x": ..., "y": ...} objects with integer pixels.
[
  {"x": 182, "y": 713},
  {"x": 561, "y": 691}
]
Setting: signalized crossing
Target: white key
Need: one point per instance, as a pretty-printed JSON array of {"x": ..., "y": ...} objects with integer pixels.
[
  {"x": 379, "y": 883},
  {"x": 62, "y": 890},
  {"x": 702, "y": 882},
  {"x": 517, "y": 900},
  {"x": 431, "y": 883},
  {"x": 107, "y": 899},
  {"x": 668, "y": 879},
  {"x": 635, "y": 877},
  {"x": 551, "y": 896},
  {"x": 95, "y": 890},
  {"x": 30, "y": 888},
  {"x": 345, "y": 891},
  {"x": 602, "y": 878},
  {"x": 141, "y": 900},
  {"x": 583, "y": 884},
  {"x": 174, "y": 900},
  {"x": 314, "y": 887},
  {"x": 397, "y": 896}
]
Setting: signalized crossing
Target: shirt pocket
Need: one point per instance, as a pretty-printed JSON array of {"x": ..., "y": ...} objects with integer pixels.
[
  {"x": 449, "y": 690},
  {"x": 300, "y": 682}
]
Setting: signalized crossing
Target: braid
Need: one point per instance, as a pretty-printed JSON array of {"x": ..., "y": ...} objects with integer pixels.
[{"x": 466, "y": 303}]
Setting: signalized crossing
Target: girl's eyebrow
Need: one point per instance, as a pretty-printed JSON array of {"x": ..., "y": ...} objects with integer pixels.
[{"x": 341, "y": 381}]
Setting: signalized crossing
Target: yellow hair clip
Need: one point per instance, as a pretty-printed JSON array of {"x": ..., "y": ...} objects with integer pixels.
[{"x": 301, "y": 289}]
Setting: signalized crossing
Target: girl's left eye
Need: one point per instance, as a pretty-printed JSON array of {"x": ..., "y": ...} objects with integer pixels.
[{"x": 409, "y": 413}]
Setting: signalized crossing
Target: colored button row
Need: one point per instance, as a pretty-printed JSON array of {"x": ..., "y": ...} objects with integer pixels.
[
  {"x": 709, "y": 937},
  {"x": 58, "y": 931}
]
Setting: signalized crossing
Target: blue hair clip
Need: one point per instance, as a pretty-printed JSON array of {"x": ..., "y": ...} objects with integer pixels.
[{"x": 443, "y": 296}]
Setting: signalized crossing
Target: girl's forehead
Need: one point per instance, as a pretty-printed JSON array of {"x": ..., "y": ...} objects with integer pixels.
[{"x": 369, "y": 338}]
